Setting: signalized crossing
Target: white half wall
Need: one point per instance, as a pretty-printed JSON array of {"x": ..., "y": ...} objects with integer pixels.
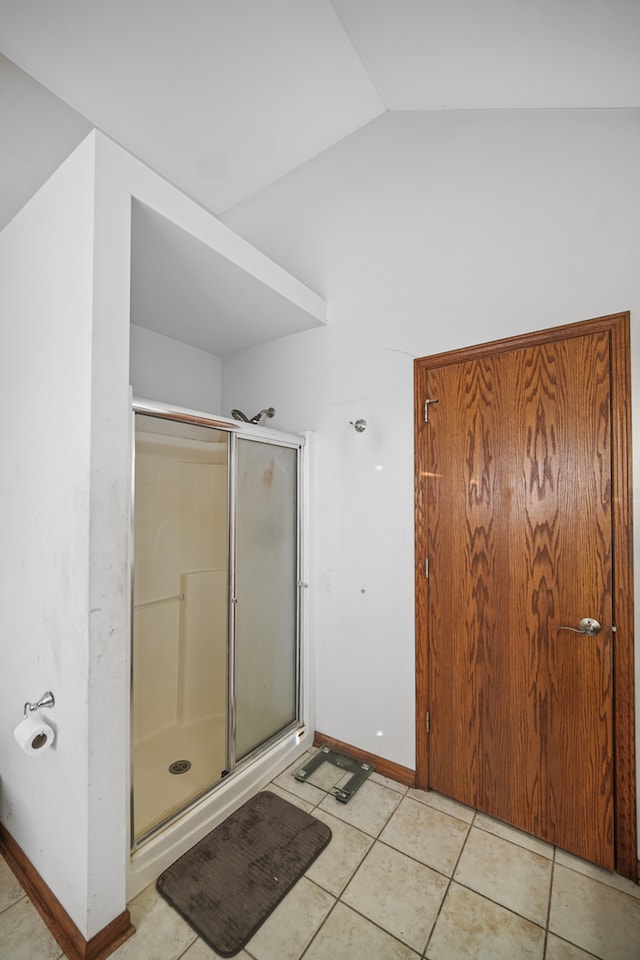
[
  {"x": 168, "y": 371},
  {"x": 425, "y": 232}
]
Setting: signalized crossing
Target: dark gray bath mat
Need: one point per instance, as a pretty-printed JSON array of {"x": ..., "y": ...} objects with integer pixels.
[{"x": 227, "y": 885}]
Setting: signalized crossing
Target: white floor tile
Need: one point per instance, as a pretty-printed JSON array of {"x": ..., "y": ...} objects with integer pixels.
[
  {"x": 341, "y": 857},
  {"x": 427, "y": 834},
  {"x": 388, "y": 863},
  {"x": 289, "y": 929},
  {"x": 595, "y": 916},
  {"x": 397, "y": 893},
  {"x": 202, "y": 951},
  {"x": 558, "y": 949},
  {"x": 386, "y": 782},
  {"x": 24, "y": 935},
  {"x": 445, "y": 804},
  {"x": 598, "y": 873},
  {"x": 368, "y": 810},
  {"x": 346, "y": 935},
  {"x": 10, "y": 889},
  {"x": 161, "y": 933},
  {"x": 507, "y": 832},
  {"x": 511, "y": 875},
  {"x": 470, "y": 927}
]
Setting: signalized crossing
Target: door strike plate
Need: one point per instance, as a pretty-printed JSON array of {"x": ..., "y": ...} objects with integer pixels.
[{"x": 341, "y": 791}]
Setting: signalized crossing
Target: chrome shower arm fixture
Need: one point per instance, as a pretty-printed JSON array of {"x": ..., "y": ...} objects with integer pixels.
[
  {"x": 267, "y": 412},
  {"x": 239, "y": 415}
]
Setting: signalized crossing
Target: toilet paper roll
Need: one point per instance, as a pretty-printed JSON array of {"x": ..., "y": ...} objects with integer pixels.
[{"x": 33, "y": 735}]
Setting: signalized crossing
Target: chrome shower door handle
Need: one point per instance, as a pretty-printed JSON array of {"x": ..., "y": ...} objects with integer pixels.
[{"x": 587, "y": 626}]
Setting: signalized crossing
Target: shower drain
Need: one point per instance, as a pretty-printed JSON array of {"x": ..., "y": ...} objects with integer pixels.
[{"x": 180, "y": 766}]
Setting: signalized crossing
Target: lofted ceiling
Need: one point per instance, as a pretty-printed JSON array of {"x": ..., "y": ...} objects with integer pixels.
[{"x": 223, "y": 97}]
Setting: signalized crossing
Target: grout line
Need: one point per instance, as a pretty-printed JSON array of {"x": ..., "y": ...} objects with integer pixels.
[
  {"x": 338, "y": 898},
  {"x": 503, "y": 906},
  {"x": 357, "y": 870},
  {"x": 335, "y": 904},
  {"x": 378, "y": 926},
  {"x": 393, "y": 812},
  {"x": 188, "y": 947},
  {"x": 421, "y": 863},
  {"x": 446, "y": 893},
  {"x": 514, "y": 843},
  {"x": 14, "y": 902},
  {"x": 364, "y": 917},
  {"x": 450, "y": 879},
  {"x": 551, "y": 879},
  {"x": 497, "y": 902},
  {"x": 348, "y": 823},
  {"x": 587, "y": 874},
  {"x": 376, "y": 838},
  {"x": 444, "y": 812}
]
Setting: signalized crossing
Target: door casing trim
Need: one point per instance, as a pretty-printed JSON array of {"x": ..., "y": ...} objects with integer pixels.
[{"x": 618, "y": 326}]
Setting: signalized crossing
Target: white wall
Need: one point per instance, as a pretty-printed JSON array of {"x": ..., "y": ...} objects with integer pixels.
[
  {"x": 39, "y": 131},
  {"x": 64, "y": 619},
  {"x": 46, "y": 275},
  {"x": 65, "y": 265},
  {"x": 168, "y": 371},
  {"x": 107, "y": 691},
  {"x": 425, "y": 232}
]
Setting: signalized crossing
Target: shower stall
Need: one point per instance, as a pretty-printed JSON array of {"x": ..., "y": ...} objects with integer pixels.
[{"x": 216, "y": 661}]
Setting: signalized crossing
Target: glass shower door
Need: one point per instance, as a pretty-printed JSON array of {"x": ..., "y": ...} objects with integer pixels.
[
  {"x": 215, "y": 637},
  {"x": 266, "y": 592},
  {"x": 180, "y": 617}
]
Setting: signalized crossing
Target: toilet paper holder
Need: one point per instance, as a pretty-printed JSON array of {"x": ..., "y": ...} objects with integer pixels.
[{"x": 46, "y": 700}]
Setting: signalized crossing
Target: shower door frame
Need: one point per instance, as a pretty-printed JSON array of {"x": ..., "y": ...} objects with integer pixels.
[
  {"x": 293, "y": 443},
  {"x": 259, "y": 434}
]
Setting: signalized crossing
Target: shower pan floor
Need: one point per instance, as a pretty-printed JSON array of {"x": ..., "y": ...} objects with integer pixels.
[{"x": 158, "y": 793}]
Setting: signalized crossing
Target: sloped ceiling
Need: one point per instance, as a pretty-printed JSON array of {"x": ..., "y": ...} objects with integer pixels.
[
  {"x": 219, "y": 96},
  {"x": 223, "y": 97},
  {"x": 494, "y": 54}
]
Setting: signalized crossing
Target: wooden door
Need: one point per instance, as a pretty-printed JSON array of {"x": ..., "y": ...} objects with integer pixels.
[{"x": 517, "y": 519}]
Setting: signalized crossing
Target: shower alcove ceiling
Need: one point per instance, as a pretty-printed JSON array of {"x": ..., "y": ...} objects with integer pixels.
[{"x": 214, "y": 292}]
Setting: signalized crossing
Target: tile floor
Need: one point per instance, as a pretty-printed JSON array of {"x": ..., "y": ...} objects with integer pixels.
[{"x": 407, "y": 875}]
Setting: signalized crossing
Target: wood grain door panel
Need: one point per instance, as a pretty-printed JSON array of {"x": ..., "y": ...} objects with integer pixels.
[{"x": 515, "y": 506}]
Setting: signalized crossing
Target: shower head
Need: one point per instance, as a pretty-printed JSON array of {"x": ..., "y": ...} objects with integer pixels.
[
  {"x": 268, "y": 412},
  {"x": 239, "y": 415}
]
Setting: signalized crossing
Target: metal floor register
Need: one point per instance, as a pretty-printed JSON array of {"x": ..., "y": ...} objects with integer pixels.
[{"x": 341, "y": 788}]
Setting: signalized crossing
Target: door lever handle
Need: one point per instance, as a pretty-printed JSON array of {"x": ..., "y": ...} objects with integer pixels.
[{"x": 587, "y": 626}]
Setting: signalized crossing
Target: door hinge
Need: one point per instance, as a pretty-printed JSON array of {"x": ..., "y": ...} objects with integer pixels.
[
  {"x": 426, "y": 409},
  {"x": 426, "y": 568},
  {"x": 428, "y": 722}
]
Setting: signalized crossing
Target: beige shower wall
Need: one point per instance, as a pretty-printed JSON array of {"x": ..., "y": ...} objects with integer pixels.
[{"x": 181, "y": 544}]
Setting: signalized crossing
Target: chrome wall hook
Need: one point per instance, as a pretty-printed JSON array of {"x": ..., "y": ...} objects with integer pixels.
[
  {"x": 359, "y": 426},
  {"x": 46, "y": 700}
]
